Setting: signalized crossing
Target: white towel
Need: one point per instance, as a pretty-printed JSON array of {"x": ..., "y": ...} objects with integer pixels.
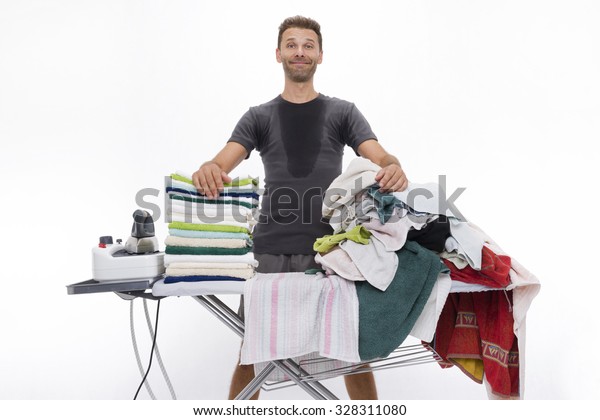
[
  {"x": 393, "y": 233},
  {"x": 424, "y": 327},
  {"x": 243, "y": 273},
  {"x": 209, "y": 265},
  {"x": 204, "y": 242},
  {"x": 208, "y": 209},
  {"x": 375, "y": 263},
  {"x": 337, "y": 261},
  {"x": 198, "y": 288},
  {"x": 247, "y": 258},
  {"x": 359, "y": 175},
  {"x": 224, "y": 199},
  {"x": 293, "y": 314},
  {"x": 221, "y": 220},
  {"x": 201, "y": 211}
]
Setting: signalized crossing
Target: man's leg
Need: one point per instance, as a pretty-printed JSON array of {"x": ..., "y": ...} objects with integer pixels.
[
  {"x": 361, "y": 386},
  {"x": 242, "y": 376}
]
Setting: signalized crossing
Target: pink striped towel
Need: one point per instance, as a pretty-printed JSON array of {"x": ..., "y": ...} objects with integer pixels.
[{"x": 293, "y": 314}]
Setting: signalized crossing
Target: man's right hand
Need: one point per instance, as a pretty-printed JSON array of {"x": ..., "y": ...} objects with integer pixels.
[{"x": 209, "y": 179}]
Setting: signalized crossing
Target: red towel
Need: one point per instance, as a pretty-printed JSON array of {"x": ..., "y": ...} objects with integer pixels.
[
  {"x": 480, "y": 326},
  {"x": 495, "y": 270}
]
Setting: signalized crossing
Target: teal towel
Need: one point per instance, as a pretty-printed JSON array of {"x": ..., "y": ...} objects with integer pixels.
[{"x": 386, "y": 318}]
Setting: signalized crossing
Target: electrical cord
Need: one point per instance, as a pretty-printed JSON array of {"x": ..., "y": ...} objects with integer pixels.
[
  {"x": 157, "y": 352},
  {"x": 135, "y": 350},
  {"x": 151, "y": 351}
]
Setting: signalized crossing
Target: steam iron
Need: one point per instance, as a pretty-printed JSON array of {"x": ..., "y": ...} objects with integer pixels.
[
  {"x": 142, "y": 239},
  {"x": 138, "y": 259}
]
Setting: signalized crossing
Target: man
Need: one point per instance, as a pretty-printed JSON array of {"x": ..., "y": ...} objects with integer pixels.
[{"x": 300, "y": 136}]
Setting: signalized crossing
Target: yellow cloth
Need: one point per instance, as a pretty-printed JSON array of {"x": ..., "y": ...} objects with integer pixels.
[
  {"x": 471, "y": 367},
  {"x": 359, "y": 234}
]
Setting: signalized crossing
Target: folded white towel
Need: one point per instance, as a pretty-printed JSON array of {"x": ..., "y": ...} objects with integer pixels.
[
  {"x": 210, "y": 211},
  {"x": 243, "y": 273},
  {"x": 247, "y": 258},
  {"x": 209, "y": 265},
  {"x": 224, "y": 199},
  {"x": 198, "y": 288},
  {"x": 220, "y": 220},
  {"x": 203, "y": 242}
]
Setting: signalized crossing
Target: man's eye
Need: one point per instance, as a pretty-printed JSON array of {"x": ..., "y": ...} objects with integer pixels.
[{"x": 290, "y": 45}]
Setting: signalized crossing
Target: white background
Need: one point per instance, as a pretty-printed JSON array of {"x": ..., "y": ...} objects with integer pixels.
[{"x": 100, "y": 99}]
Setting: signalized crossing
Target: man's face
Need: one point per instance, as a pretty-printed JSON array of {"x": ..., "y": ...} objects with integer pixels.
[{"x": 299, "y": 53}]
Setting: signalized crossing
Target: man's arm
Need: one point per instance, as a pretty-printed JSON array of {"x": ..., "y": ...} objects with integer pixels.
[
  {"x": 212, "y": 174},
  {"x": 391, "y": 177}
]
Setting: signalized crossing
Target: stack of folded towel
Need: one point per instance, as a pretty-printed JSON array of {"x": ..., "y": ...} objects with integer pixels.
[{"x": 209, "y": 240}]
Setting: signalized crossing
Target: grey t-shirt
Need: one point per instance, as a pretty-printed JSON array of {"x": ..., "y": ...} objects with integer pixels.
[{"x": 301, "y": 146}]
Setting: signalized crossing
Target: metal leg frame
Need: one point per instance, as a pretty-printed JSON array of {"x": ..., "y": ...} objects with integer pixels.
[{"x": 224, "y": 313}]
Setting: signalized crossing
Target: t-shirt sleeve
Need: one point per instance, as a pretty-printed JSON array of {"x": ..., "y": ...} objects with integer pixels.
[
  {"x": 358, "y": 129},
  {"x": 246, "y": 132}
]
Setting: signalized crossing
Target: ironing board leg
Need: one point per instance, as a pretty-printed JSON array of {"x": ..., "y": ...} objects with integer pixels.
[
  {"x": 316, "y": 390},
  {"x": 316, "y": 385},
  {"x": 235, "y": 323},
  {"x": 256, "y": 383}
]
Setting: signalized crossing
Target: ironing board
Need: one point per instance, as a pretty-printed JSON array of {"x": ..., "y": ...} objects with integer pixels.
[{"x": 295, "y": 372}]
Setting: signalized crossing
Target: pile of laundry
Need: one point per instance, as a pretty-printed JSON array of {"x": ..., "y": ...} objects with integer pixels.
[
  {"x": 481, "y": 333},
  {"x": 209, "y": 240},
  {"x": 399, "y": 264}
]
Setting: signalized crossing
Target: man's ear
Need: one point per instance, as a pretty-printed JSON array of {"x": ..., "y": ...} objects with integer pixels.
[
  {"x": 320, "y": 59},
  {"x": 278, "y": 55}
]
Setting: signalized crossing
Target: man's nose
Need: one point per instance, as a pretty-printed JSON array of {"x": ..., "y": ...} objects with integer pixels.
[{"x": 299, "y": 52}]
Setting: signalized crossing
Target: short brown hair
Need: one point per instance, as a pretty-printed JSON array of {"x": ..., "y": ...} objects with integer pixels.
[{"x": 302, "y": 23}]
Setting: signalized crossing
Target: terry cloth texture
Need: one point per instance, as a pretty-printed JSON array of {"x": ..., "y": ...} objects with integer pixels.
[
  {"x": 201, "y": 210},
  {"x": 247, "y": 258},
  {"x": 206, "y": 242},
  {"x": 400, "y": 305},
  {"x": 176, "y": 279},
  {"x": 187, "y": 190},
  {"x": 294, "y": 314},
  {"x": 377, "y": 265},
  {"x": 208, "y": 227},
  {"x": 241, "y": 273},
  {"x": 197, "y": 288},
  {"x": 201, "y": 250},
  {"x": 209, "y": 240},
  {"x": 218, "y": 220},
  {"x": 208, "y": 234},
  {"x": 477, "y": 329},
  {"x": 194, "y": 265},
  {"x": 358, "y": 234},
  {"x": 494, "y": 273},
  {"x": 205, "y": 201},
  {"x": 237, "y": 182},
  {"x": 358, "y": 176}
]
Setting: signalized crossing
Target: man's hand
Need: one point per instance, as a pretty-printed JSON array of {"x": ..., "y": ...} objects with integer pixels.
[
  {"x": 391, "y": 178},
  {"x": 209, "y": 179}
]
